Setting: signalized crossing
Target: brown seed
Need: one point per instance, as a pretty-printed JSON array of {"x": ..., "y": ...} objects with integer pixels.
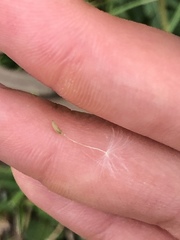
[{"x": 56, "y": 128}]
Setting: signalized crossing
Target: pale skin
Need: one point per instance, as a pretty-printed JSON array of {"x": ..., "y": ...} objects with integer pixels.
[{"x": 98, "y": 179}]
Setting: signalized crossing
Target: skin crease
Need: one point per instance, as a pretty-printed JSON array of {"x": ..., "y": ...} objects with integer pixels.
[{"x": 122, "y": 184}]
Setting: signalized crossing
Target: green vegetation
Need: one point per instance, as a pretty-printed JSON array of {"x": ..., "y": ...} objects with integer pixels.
[
  {"x": 26, "y": 221},
  {"x": 162, "y": 14}
]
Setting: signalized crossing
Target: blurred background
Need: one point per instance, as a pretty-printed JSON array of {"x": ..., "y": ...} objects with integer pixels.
[{"x": 19, "y": 218}]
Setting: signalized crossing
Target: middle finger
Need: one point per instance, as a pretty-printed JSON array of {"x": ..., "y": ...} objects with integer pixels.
[{"x": 91, "y": 161}]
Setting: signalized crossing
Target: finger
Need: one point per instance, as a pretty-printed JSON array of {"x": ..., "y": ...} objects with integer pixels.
[
  {"x": 87, "y": 222},
  {"x": 121, "y": 71},
  {"x": 91, "y": 161}
]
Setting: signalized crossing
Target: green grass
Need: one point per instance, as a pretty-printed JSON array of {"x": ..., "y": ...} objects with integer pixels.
[
  {"x": 162, "y": 14},
  {"x": 27, "y": 221}
]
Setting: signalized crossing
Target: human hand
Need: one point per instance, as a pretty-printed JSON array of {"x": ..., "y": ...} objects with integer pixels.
[{"x": 100, "y": 180}]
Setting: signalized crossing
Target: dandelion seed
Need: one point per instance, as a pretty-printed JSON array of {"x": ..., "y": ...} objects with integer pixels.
[
  {"x": 56, "y": 128},
  {"x": 108, "y": 158}
]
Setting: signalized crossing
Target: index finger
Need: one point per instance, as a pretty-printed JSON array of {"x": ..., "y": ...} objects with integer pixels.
[{"x": 121, "y": 71}]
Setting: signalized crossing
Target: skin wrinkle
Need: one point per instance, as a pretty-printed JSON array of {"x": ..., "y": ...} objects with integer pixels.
[
  {"x": 84, "y": 146},
  {"x": 84, "y": 213},
  {"x": 65, "y": 60},
  {"x": 143, "y": 38},
  {"x": 102, "y": 233},
  {"x": 163, "y": 183},
  {"x": 98, "y": 129},
  {"x": 101, "y": 228},
  {"x": 73, "y": 212},
  {"x": 18, "y": 16},
  {"x": 171, "y": 224}
]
